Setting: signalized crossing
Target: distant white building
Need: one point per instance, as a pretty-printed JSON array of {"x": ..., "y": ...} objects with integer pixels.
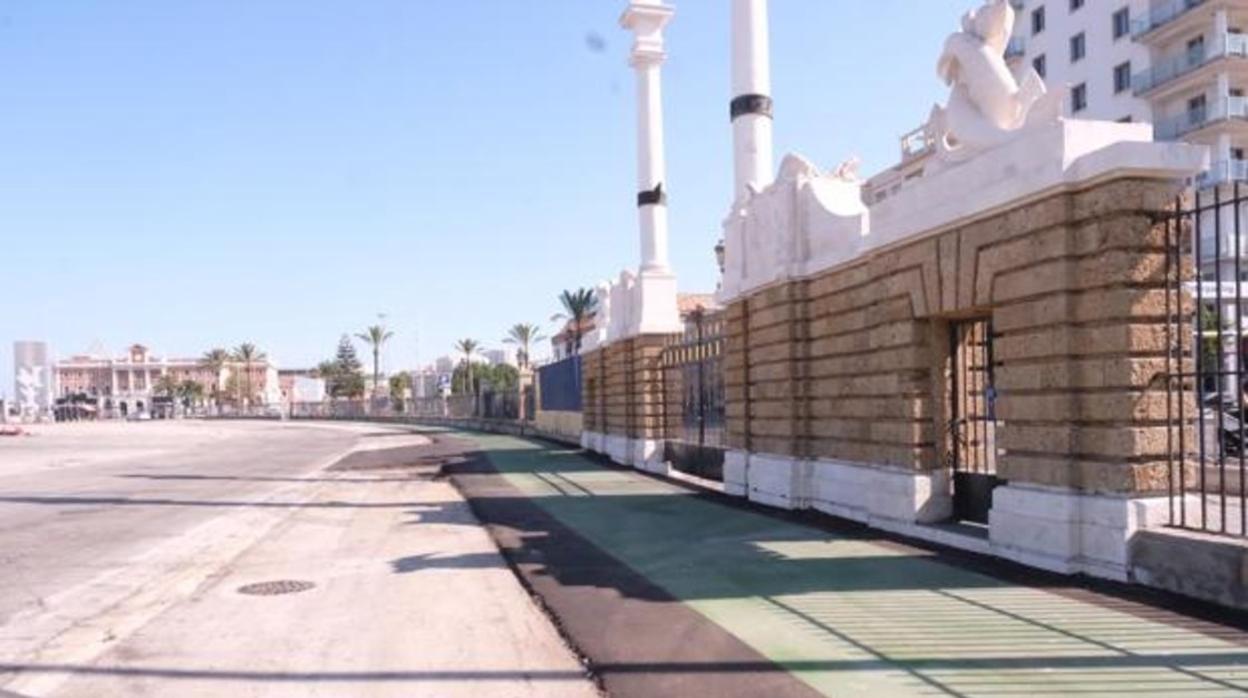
[
  {"x": 498, "y": 357},
  {"x": 444, "y": 364}
]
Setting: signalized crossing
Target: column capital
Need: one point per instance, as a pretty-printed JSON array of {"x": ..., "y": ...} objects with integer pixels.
[{"x": 647, "y": 19}]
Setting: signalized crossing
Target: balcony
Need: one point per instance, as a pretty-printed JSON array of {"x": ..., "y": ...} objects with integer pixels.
[
  {"x": 1175, "y": 67},
  {"x": 1164, "y": 15},
  {"x": 1195, "y": 119},
  {"x": 1224, "y": 172}
]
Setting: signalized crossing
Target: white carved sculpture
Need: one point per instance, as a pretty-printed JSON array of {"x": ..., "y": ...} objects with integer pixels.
[
  {"x": 988, "y": 104},
  {"x": 622, "y": 306},
  {"x": 805, "y": 217},
  {"x": 602, "y": 316},
  {"x": 30, "y": 388}
]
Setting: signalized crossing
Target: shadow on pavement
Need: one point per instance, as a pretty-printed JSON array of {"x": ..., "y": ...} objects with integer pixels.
[{"x": 608, "y": 548}]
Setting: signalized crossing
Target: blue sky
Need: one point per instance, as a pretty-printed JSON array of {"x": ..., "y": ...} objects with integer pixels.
[{"x": 206, "y": 172}]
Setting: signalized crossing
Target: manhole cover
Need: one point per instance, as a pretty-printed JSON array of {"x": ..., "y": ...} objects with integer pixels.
[{"x": 281, "y": 586}]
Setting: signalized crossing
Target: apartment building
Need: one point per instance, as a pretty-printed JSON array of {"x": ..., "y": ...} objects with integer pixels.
[{"x": 1180, "y": 64}]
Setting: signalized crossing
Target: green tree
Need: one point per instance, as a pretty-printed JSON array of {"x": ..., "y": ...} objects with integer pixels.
[
  {"x": 343, "y": 375},
  {"x": 523, "y": 335},
  {"x": 376, "y": 336},
  {"x": 1211, "y": 337},
  {"x": 579, "y": 307},
  {"x": 166, "y": 386},
  {"x": 247, "y": 354},
  {"x": 190, "y": 393},
  {"x": 500, "y": 378},
  {"x": 469, "y": 348},
  {"x": 399, "y": 384},
  {"x": 215, "y": 361}
]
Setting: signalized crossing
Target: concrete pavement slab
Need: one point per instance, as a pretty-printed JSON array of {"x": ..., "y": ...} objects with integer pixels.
[{"x": 408, "y": 595}]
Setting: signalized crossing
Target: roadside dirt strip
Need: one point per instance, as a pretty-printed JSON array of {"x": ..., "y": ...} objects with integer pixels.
[{"x": 639, "y": 641}]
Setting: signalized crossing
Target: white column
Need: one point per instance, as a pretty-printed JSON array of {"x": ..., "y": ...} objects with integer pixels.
[
  {"x": 751, "y": 106},
  {"x": 654, "y": 295},
  {"x": 646, "y": 19}
]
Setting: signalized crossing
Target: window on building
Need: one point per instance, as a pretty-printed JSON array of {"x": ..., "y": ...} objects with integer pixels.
[
  {"x": 1075, "y": 5},
  {"x": 1196, "y": 50},
  {"x": 1079, "y": 98},
  {"x": 1037, "y": 20},
  {"x": 1122, "y": 77},
  {"x": 1122, "y": 23},
  {"x": 1237, "y": 153},
  {"x": 1078, "y": 47},
  {"x": 1196, "y": 109},
  {"x": 1040, "y": 64}
]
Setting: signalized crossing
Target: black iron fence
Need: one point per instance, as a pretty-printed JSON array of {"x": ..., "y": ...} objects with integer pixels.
[
  {"x": 693, "y": 377},
  {"x": 1205, "y": 362},
  {"x": 973, "y": 419},
  {"x": 500, "y": 405}
]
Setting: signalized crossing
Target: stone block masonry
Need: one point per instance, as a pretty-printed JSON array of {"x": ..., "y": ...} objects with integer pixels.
[
  {"x": 838, "y": 384},
  {"x": 623, "y": 401}
]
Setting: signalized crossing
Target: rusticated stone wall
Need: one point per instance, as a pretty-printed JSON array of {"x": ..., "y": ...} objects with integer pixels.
[
  {"x": 852, "y": 365},
  {"x": 623, "y": 392}
]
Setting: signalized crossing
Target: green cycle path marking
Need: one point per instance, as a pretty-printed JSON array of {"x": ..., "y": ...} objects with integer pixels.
[{"x": 852, "y": 616}]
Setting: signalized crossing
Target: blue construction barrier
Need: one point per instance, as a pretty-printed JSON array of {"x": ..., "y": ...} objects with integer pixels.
[{"x": 560, "y": 385}]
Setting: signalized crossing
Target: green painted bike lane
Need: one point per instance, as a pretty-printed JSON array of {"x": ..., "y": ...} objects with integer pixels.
[{"x": 851, "y": 615}]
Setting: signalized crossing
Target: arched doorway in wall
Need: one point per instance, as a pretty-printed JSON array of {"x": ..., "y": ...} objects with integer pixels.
[
  {"x": 139, "y": 407},
  {"x": 123, "y": 408}
]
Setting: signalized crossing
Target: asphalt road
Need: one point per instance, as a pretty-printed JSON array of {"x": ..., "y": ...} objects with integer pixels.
[{"x": 123, "y": 548}]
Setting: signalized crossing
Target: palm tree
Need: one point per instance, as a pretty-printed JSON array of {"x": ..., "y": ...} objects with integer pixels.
[
  {"x": 215, "y": 361},
  {"x": 468, "y": 347},
  {"x": 376, "y": 336},
  {"x": 523, "y": 335},
  {"x": 579, "y": 307},
  {"x": 247, "y": 354}
]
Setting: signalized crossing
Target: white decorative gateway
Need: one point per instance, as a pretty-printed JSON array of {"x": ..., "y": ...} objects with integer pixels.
[{"x": 988, "y": 104}]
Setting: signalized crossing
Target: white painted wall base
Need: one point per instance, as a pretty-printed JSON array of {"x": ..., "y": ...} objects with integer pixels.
[
  {"x": 865, "y": 493},
  {"x": 648, "y": 456},
  {"x": 876, "y": 494},
  {"x": 1070, "y": 532},
  {"x": 593, "y": 441},
  {"x": 778, "y": 481},
  {"x": 1058, "y": 530},
  {"x": 618, "y": 449},
  {"x": 736, "y": 473}
]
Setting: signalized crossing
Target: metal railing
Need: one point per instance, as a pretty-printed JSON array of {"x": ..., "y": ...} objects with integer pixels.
[
  {"x": 693, "y": 372},
  {"x": 1175, "y": 67},
  {"x": 1163, "y": 15},
  {"x": 1206, "y": 364},
  {"x": 498, "y": 405},
  {"x": 1223, "y": 172},
  {"x": 1195, "y": 119}
]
